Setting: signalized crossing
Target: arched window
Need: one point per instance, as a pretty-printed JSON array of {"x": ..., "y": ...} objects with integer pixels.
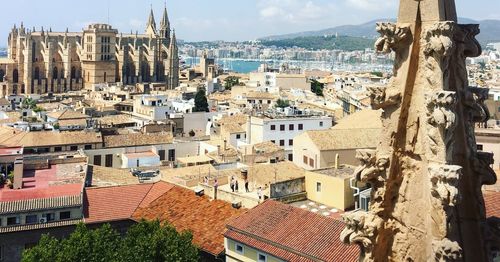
[
  {"x": 55, "y": 73},
  {"x": 2, "y": 74},
  {"x": 73, "y": 72},
  {"x": 15, "y": 76},
  {"x": 105, "y": 76},
  {"x": 36, "y": 75}
]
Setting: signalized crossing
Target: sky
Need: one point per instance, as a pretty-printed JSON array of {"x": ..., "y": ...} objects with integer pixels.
[{"x": 230, "y": 20}]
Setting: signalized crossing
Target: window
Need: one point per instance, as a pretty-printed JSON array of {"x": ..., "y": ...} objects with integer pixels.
[
  {"x": 273, "y": 141},
  {"x": 318, "y": 187},
  {"x": 311, "y": 162},
  {"x": 97, "y": 160},
  {"x": 321, "y": 123},
  {"x": 31, "y": 219},
  {"x": 290, "y": 157},
  {"x": 239, "y": 248},
  {"x": 12, "y": 221},
  {"x": 238, "y": 136},
  {"x": 262, "y": 258},
  {"x": 282, "y": 142},
  {"x": 290, "y": 142},
  {"x": 88, "y": 147},
  {"x": 306, "y": 160},
  {"x": 65, "y": 215},
  {"x": 57, "y": 149},
  {"x": 282, "y": 127},
  {"x": 109, "y": 160},
  {"x": 291, "y": 127},
  {"x": 479, "y": 147},
  {"x": 49, "y": 217},
  {"x": 301, "y": 126},
  {"x": 74, "y": 148},
  {"x": 171, "y": 155},
  {"x": 273, "y": 127},
  {"x": 161, "y": 153}
]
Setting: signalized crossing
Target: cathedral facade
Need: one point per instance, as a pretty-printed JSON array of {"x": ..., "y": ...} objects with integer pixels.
[{"x": 42, "y": 62}]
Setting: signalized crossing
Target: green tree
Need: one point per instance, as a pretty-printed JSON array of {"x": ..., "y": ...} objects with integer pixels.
[
  {"x": 377, "y": 73},
  {"x": 281, "y": 103},
  {"x": 231, "y": 81},
  {"x": 317, "y": 87},
  {"x": 28, "y": 103},
  {"x": 145, "y": 241},
  {"x": 200, "y": 101},
  {"x": 152, "y": 242}
]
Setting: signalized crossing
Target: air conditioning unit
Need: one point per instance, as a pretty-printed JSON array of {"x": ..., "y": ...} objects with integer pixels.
[
  {"x": 199, "y": 191},
  {"x": 43, "y": 220},
  {"x": 236, "y": 204}
]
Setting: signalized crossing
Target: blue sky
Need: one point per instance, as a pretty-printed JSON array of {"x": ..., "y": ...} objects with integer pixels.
[{"x": 197, "y": 20}]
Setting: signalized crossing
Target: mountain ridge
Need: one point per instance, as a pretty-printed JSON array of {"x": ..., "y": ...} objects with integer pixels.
[{"x": 490, "y": 30}]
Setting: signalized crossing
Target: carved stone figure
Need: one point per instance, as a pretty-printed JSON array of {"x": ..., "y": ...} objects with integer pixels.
[
  {"x": 372, "y": 168},
  {"x": 392, "y": 37},
  {"x": 444, "y": 181},
  {"x": 360, "y": 229},
  {"x": 447, "y": 251}
]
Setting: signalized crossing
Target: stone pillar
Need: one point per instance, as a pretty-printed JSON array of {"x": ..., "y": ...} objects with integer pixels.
[{"x": 426, "y": 174}]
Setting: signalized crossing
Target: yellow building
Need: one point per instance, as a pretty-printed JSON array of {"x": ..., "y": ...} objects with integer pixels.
[{"x": 331, "y": 187}]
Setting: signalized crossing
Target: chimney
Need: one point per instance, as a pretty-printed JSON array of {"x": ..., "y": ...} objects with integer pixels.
[
  {"x": 337, "y": 161},
  {"x": 18, "y": 173}
]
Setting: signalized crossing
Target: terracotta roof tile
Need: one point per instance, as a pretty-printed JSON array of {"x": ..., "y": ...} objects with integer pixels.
[
  {"x": 289, "y": 232},
  {"x": 492, "y": 202},
  {"x": 185, "y": 211},
  {"x": 118, "y": 203}
]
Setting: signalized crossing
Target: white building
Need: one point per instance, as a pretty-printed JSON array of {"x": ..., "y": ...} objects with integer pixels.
[
  {"x": 153, "y": 107},
  {"x": 282, "y": 129}
]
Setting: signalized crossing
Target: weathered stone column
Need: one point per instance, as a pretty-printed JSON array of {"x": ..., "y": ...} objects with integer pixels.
[{"x": 426, "y": 174}]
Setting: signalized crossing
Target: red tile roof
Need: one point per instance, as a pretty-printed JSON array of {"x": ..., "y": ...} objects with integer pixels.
[
  {"x": 107, "y": 204},
  {"x": 185, "y": 211},
  {"x": 291, "y": 233},
  {"x": 492, "y": 203}
]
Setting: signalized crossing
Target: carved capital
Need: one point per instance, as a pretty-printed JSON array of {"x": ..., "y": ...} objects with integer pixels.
[
  {"x": 361, "y": 229},
  {"x": 392, "y": 37},
  {"x": 444, "y": 179},
  {"x": 381, "y": 98},
  {"x": 438, "y": 39},
  {"x": 372, "y": 169},
  {"x": 446, "y": 251}
]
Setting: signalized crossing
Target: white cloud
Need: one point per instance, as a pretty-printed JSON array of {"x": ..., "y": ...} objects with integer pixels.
[
  {"x": 372, "y": 5},
  {"x": 295, "y": 11}
]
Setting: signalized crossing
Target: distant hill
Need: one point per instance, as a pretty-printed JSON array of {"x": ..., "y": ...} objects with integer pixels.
[
  {"x": 347, "y": 43},
  {"x": 490, "y": 30}
]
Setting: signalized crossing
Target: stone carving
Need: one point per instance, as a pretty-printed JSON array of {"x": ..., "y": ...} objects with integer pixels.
[
  {"x": 361, "y": 229},
  {"x": 426, "y": 173},
  {"x": 381, "y": 98},
  {"x": 482, "y": 166},
  {"x": 441, "y": 119},
  {"x": 392, "y": 37},
  {"x": 439, "y": 39},
  {"x": 372, "y": 169},
  {"x": 475, "y": 100},
  {"x": 444, "y": 179},
  {"x": 446, "y": 251}
]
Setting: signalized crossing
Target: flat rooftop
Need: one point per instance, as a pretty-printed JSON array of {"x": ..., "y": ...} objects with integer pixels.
[
  {"x": 341, "y": 172},
  {"x": 56, "y": 181}
]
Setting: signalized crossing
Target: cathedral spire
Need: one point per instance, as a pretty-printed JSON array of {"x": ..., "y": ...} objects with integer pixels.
[
  {"x": 151, "y": 26},
  {"x": 165, "y": 25},
  {"x": 173, "y": 64}
]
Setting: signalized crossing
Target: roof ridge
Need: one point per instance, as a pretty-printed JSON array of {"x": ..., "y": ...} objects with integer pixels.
[{"x": 145, "y": 195}]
